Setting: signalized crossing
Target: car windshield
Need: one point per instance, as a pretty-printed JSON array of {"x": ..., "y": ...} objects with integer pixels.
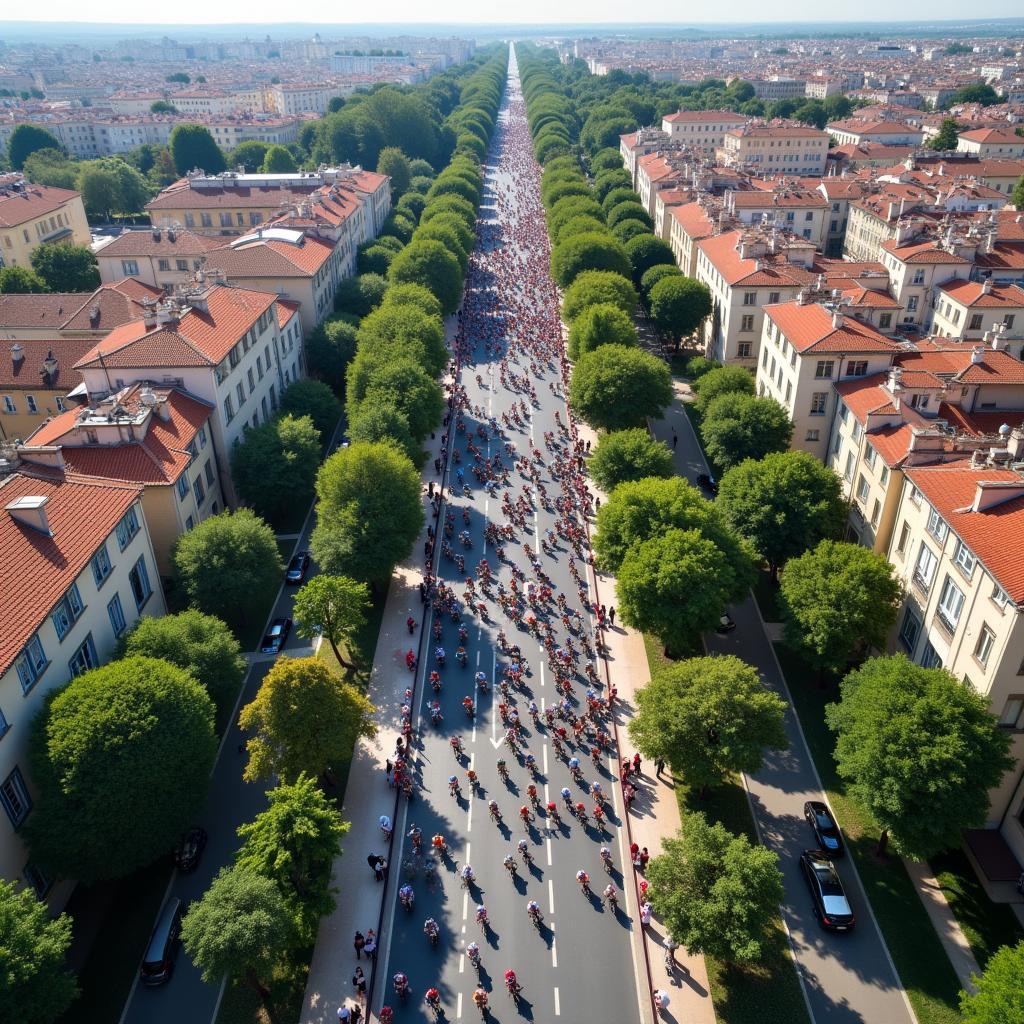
[
  {"x": 823, "y": 820},
  {"x": 836, "y": 905},
  {"x": 275, "y": 629},
  {"x": 828, "y": 879},
  {"x": 297, "y": 562}
]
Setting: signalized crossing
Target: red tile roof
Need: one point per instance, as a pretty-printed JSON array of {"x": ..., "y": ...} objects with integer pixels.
[
  {"x": 159, "y": 242},
  {"x": 271, "y": 258},
  {"x": 36, "y": 570},
  {"x": 286, "y": 309},
  {"x": 981, "y": 422},
  {"x": 694, "y": 220},
  {"x": 114, "y": 304},
  {"x": 973, "y": 293},
  {"x": 922, "y": 252},
  {"x": 34, "y": 201},
  {"x": 722, "y": 252},
  {"x": 27, "y": 373},
  {"x": 699, "y": 116},
  {"x": 993, "y": 135},
  {"x": 811, "y": 327}
]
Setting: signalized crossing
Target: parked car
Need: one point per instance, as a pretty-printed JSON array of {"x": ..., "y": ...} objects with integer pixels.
[
  {"x": 276, "y": 636},
  {"x": 708, "y": 483},
  {"x": 824, "y": 827},
  {"x": 158, "y": 963},
  {"x": 297, "y": 567},
  {"x": 190, "y": 849},
  {"x": 831, "y": 907}
]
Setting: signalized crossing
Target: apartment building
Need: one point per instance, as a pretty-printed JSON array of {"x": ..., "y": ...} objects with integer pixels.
[
  {"x": 31, "y": 215},
  {"x": 779, "y": 87},
  {"x": 290, "y": 99},
  {"x": 219, "y": 344},
  {"x": 855, "y": 131},
  {"x": 839, "y": 192},
  {"x": 161, "y": 257},
  {"x": 654, "y": 174},
  {"x": 689, "y": 224},
  {"x": 634, "y": 145},
  {"x": 968, "y": 310},
  {"x": 1001, "y": 143},
  {"x": 916, "y": 269},
  {"x": 802, "y": 211},
  {"x": 776, "y": 149},
  {"x": 77, "y": 569},
  {"x": 156, "y": 437},
  {"x": 701, "y": 129},
  {"x": 664, "y": 201},
  {"x": 805, "y": 348}
]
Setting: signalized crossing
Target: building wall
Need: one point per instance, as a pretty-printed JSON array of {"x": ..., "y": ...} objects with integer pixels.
[
  {"x": 23, "y": 421},
  {"x": 226, "y": 220},
  {"x": 67, "y": 223},
  {"x": 149, "y": 269}
]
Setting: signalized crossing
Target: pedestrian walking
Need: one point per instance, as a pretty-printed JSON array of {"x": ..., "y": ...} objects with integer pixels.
[
  {"x": 359, "y": 983},
  {"x": 644, "y": 858},
  {"x": 370, "y": 949},
  {"x": 423, "y": 593},
  {"x": 357, "y": 1014},
  {"x": 359, "y": 941},
  {"x": 344, "y": 1015},
  {"x": 675, "y": 439},
  {"x": 611, "y": 615},
  {"x": 646, "y": 911},
  {"x": 659, "y": 765},
  {"x": 634, "y": 853},
  {"x": 636, "y": 764},
  {"x": 437, "y": 465}
]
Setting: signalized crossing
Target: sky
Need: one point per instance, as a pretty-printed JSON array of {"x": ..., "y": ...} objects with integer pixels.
[{"x": 521, "y": 12}]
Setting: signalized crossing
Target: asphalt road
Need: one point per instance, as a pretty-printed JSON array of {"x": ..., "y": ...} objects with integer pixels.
[{"x": 558, "y": 964}]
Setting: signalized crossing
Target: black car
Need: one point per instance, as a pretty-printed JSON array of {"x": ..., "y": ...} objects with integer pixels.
[
  {"x": 297, "y": 567},
  {"x": 831, "y": 907},
  {"x": 824, "y": 827},
  {"x": 276, "y": 636},
  {"x": 708, "y": 483},
  {"x": 726, "y": 623},
  {"x": 190, "y": 849}
]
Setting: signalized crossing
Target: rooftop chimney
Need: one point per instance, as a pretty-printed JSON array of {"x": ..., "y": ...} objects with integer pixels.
[
  {"x": 986, "y": 286},
  {"x": 30, "y": 510},
  {"x": 50, "y": 366},
  {"x": 837, "y": 319},
  {"x": 978, "y": 354},
  {"x": 989, "y": 493},
  {"x": 17, "y": 352}
]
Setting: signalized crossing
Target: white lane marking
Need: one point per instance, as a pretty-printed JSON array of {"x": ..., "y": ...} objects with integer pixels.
[
  {"x": 547, "y": 842},
  {"x": 458, "y": 1004},
  {"x": 477, "y": 659},
  {"x": 542, "y": 673},
  {"x": 465, "y": 904},
  {"x": 551, "y": 896},
  {"x": 544, "y": 750},
  {"x": 557, "y": 1008},
  {"x": 554, "y": 947}
]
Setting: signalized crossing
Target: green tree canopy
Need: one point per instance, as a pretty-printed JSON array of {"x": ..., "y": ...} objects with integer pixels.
[
  {"x": 278, "y": 161},
  {"x": 999, "y": 998},
  {"x": 587, "y": 252},
  {"x": 1018, "y": 193},
  {"x": 384, "y": 423},
  {"x": 655, "y": 274},
  {"x": 601, "y": 324},
  {"x": 192, "y": 146},
  {"x": 404, "y": 330},
  {"x": 35, "y": 985},
  {"x": 838, "y": 601},
  {"x": 597, "y": 286},
  {"x": 632, "y": 210},
  {"x": 947, "y": 135},
  {"x": 27, "y": 139},
  {"x": 721, "y": 380},
  {"x": 369, "y": 512},
  {"x": 304, "y": 718},
  {"x": 51, "y": 167},
  {"x": 132, "y": 741},
  {"x": 249, "y": 154},
  {"x": 626, "y": 455},
  {"x": 334, "y": 607},
  {"x": 20, "y": 281},
  {"x": 646, "y": 251},
  {"x": 294, "y": 843},
  {"x": 679, "y": 305},
  {"x": 200, "y": 644},
  {"x": 708, "y": 718},
  {"x": 330, "y": 348},
  {"x": 240, "y": 929},
  {"x": 227, "y": 564},
  {"x": 360, "y": 294},
  {"x": 629, "y": 228},
  {"x": 412, "y": 295},
  {"x": 430, "y": 264},
  {"x": 783, "y": 504},
  {"x": 66, "y": 268},
  {"x": 615, "y": 387},
  {"x": 920, "y": 750},
  {"x": 313, "y": 399},
  {"x": 976, "y": 92},
  {"x": 716, "y": 893},
  {"x": 394, "y": 163},
  {"x": 737, "y": 427}
]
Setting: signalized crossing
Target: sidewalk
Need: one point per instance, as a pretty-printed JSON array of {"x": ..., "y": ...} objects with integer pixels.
[{"x": 654, "y": 814}]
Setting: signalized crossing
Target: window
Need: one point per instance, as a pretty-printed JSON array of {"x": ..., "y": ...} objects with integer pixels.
[
  {"x": 127, "y": 528},
  {"x": 918, "y": 277},
  {"x": 742, "y": 349},
  {"x": 912, "y": 304},
  {"x": 163, "y": 265},
  {"x": 885, "y": 320},
  {"x": 229, "y": 410},
  {"x": 773, "y": 297},
  {"x": 61, "y": 407},
  {"x": 68, "y": 609},
  {"x": 9, "y": 405},
  {"x": 951, "y": 603},
  {"x": 4, "y": 724},
  {"x": 197, "y": 487},
  {"x": 937, "y": 526},
  {"x": 975, "y": 324},
  {"x": 202, "y": 438},
  {"x": 857, "y": 367},
  {"x": 930, "y": 657},
  {"x": 207, "y": 220},
  {"x": 809, "y": 216},
  {"x": 870, "y": 456},
  {"x": 983, "y": 648},
  {"x": 813, "y": 435},
  {"x": 750, "y": 298},
  {"x": 255, "y": 218},
  {"x": 31, "y": 664},
  {"x": 848, "y": 469},
  {"x": 910, "y": 629},
  {"x": 225, "y": 220},
  {"x": 116, "y": 613},
  {"x": 963, "y": 559},
  {"x": 824, "y": 368},
  {"x": 138, "y": 579},
  {"x": 14, "y": 796},
  {"x": 863, "y": 488},
  {"x": 818, "y": 402},
  {"x": 208, "y": 470},
  {"x": 747, "y": 323},
  {"x": 901, "y": 544},
  {"x": 883, "y": 477},
  {"x": 190, "y": 220},
  {"x": 1008, "y": 320},
  {"x": 1000, "y": 596},
  {"x": 129, "y": 268},
  {"x": 924, "y": 571},
  {"x": 84, "y": 658},
  {"x": 182, "y": 487},
  {"x": 833, "y": 226},
  {"x": 764, "y": 362},
  {"x": 919, "y": 401},
  {"x": 181, "y": 265},
  {"x": 240, "y": 391},
  {"x": 37, "y": 879},
  {"x": 876, "y": 513},
  {"x": 30, "y": 403},
  {"x": 252, "y": 381},
  {"x": 1013, "y": 710}
]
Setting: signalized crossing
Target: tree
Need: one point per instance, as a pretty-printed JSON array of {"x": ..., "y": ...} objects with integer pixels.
[
  {"x": 721, "y": 380},
  {"x": 20, "y": 280},
  {"x": 162, "y": 107},
  {"x": 131, "y": 742},
  {"x": 602, "y": 324},
  {"x": 783, "y": 504},
  {"x": 708, "y": 718},
  {"x": 838, "y": 601},
  {"x": 999, "y": 998},
  {"x": 646, "y": 251},
  {"x": 304, "y": 718},
  {"x": 394, "y": 163},
  {"x": 1018, "y": 193},
  {"x": 27, "y": 139},
  {"x": 66, "y": 268},
  {"x": 675, "y": 585},
  {"x": 274, "y": 466},
  {"x": 407, "y": 387},
  {"x": 592, "y": 251},
  {"x": 51, "y": 167},
  {"x": 35, "y": 985},
  {"x": 947, "y": 135},
  {"x": 111, "y": 186},
  {"x": 655, "y": 274},
  {"x": 377, "y": 422},
  {"x": 715, "y": 892},
  {"x": 629, "y": 228},
  {"x": 200, "y": 644},
  {"x": 976, "y": 92},
  {"x": 312, "y": 398},
  {"x": 278, "y": 161},
  {"x": 597, "y": 286},
  {"x": 615, "y": 387},
  {"x": 240, "y": 929},
  {"x": 178, "y": 76},
  {"x": 333, "y": 607},
  {"x": 249, "y": 154},
  {"x": 294, "y": 843},
  {"x": 631, "y": 210},
  {"x": 737, "y": 427},
  {"x": 430, "y": 264},
  {"x": 227, "y": 564},
  {"x": 920, "y": 750},
  {"x": 369, "y": 512},
  {"x": 330, "y": 348},
  {"x": 360, "y": 295},
  {"x": 679, "y": 305},
  {"x": 628, "y": 455},
  {"x": 192, "y": 146}
]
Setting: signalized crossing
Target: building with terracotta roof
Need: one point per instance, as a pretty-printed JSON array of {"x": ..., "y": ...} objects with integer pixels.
[
  {"x": 689, "y": 224},
  {"x": 1003, "y": 143},
  {"x": 792, "y": 208},
  {"x": 634, "y": 145},
  {"x": 157, "y": 437},
  {"x": 775, "y": 148},
  {"x": 855, "y": 131},
  {"x": 77, "y": 570},
  {"x": 655, "y": 173},
  {"x": 701, "y": 129},
  {"x": 31, "y": 215},
  {"x": 664, "y": 200},
  {"x": 969, "y": 310},
  {"x": 161, "y": 257},
  {"x": 916, "y": 269}
]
